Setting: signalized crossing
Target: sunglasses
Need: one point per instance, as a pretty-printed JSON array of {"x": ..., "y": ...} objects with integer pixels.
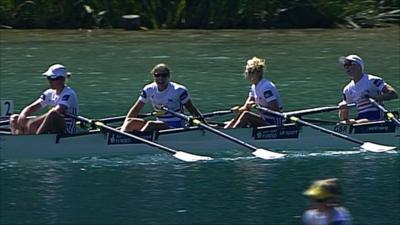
[
  {"x": 348, "y": 63},
  {"x": 57, "y": 78},
  {"x": 161, "y": 74}
]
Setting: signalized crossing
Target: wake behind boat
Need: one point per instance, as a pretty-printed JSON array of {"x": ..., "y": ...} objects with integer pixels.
[{"x": 194, "y": 140}]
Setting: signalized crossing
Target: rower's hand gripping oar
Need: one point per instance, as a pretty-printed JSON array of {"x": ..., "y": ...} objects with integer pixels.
[
  {"x": 367, "y": 146},
  {"x": 184, "y": 156},
  {"x": 389, "y": 115},
  {"x": 259, "y": 152}
]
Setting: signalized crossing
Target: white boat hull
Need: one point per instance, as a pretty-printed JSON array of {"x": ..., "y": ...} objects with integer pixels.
[{"x": 196, "y": 141}]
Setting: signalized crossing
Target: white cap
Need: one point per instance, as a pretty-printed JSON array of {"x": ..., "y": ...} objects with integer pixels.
[
  {"x": 354, "y": 58},
  {"x": 56, "y": 71}
]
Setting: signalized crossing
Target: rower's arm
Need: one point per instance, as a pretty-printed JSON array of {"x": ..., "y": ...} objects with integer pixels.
[
  {"x": 343, "y": 111},
  {"x": 27, "y": 111},
  {"x": 30, "y": 109},
  {"x": 134, "y": 111},
  {"x": 192, "y": 109},
  {"x": 388, "y": 93},
  {"x": 250, "y": 102}
]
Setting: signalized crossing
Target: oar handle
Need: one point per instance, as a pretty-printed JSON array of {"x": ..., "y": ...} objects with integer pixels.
[{"x": 389, "y": 115}]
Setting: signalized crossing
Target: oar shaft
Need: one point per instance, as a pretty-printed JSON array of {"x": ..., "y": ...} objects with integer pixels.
[
  {"x": 238, "y": 141},
  {"x": 154, "y": 144},
  {"x": 111, "y": 129},
  {"x": 211, "y": 129},
  {"x": 315, "y": 110},
  {"x": 217, "y": 113},
  {"x": 121, "y": 118},
  {"x": 4, "y": 122},
  {"x": 327, "y": 131},
  {"x": 297, "y": 120}
]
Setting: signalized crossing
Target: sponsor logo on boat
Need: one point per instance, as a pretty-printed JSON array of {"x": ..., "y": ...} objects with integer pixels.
[
  {"x": 117, "y": 139},
  {"x": 376, "y": 128},
  {"x": 276, "y": 133}
]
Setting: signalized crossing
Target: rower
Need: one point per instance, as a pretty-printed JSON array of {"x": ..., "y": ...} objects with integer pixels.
[
  {"x": 362, "y": 87},
  {"x": 161, "y": 92},
  {"x": 59, "y": 98},
  {"x": 262, "y": 93}
]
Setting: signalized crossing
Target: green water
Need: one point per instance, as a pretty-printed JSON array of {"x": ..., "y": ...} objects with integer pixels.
[{"x": 109, "y": 69}]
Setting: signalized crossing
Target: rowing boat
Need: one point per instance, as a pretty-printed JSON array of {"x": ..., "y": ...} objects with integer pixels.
[{"x": 194, "y": 140}]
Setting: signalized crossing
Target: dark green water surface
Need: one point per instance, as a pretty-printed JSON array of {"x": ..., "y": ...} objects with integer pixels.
[{"x": 109, "y": 69}]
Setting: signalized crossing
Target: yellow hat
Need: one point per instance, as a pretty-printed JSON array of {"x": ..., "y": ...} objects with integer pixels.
[{"x": 323, "y": 189}]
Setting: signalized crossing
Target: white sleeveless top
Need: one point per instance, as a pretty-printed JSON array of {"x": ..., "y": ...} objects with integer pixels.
[
  {"x": 368, "y": 85},
  {"x": 68, "y": 99},
  {"x": 173, "y": 97},
  {"x": 264, "y": 92}
]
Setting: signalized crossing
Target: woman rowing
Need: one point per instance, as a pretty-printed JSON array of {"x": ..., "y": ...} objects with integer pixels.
[
  {"x": 161, "y": 92},
  {"x": 262, "y": 93},
  {"x": 362, "y": 87},
  {"x": 60, "y": 98}
]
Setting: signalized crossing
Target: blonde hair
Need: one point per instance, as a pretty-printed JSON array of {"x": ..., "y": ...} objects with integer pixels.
[{"x": 255, "y": 64}]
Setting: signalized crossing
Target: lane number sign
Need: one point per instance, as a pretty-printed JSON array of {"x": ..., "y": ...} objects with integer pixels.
[{"x": 7, "y": 107}]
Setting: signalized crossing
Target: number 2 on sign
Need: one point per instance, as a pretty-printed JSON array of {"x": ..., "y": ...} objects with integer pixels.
[{"x": 7, "y": 107}]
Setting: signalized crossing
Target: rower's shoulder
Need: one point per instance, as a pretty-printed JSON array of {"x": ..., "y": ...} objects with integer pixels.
[
  {"x": 373, "y": 77},
  {"x": 177, "y": 86},
  {"x": 69, "y": 90},
  {"x": 265, "y": 83},
  {"x": 151, "y": 85}
]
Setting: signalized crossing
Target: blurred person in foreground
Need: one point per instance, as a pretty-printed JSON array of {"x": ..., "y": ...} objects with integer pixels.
[
  {"x": 59, "y": 98},
  {"x": 161, "y": 92},
  {"x": 362, "y": 87},
  {"x": 262, "y": 93},
  {"x": 325, "y": 208}
]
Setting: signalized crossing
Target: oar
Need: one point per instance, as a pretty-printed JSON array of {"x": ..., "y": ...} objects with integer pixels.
[
  {"x": 4, "y": 122},
  {"x": 121, "y": 118},
  {"x": 368, "y": 146},
  {"x": 389, "y": 115},
  {"x": 7, "y": 120},
  {"x": 177, "y": 154},
  {"x": 259, "y": 152},
  {"x": 315, "y": 110}
]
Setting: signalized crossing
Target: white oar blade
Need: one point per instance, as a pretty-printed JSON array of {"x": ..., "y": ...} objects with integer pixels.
[
  {"x": 372, "y": 147},
  {"x": 265, "y": 154},
  {"x": 187, "y": 157}
]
